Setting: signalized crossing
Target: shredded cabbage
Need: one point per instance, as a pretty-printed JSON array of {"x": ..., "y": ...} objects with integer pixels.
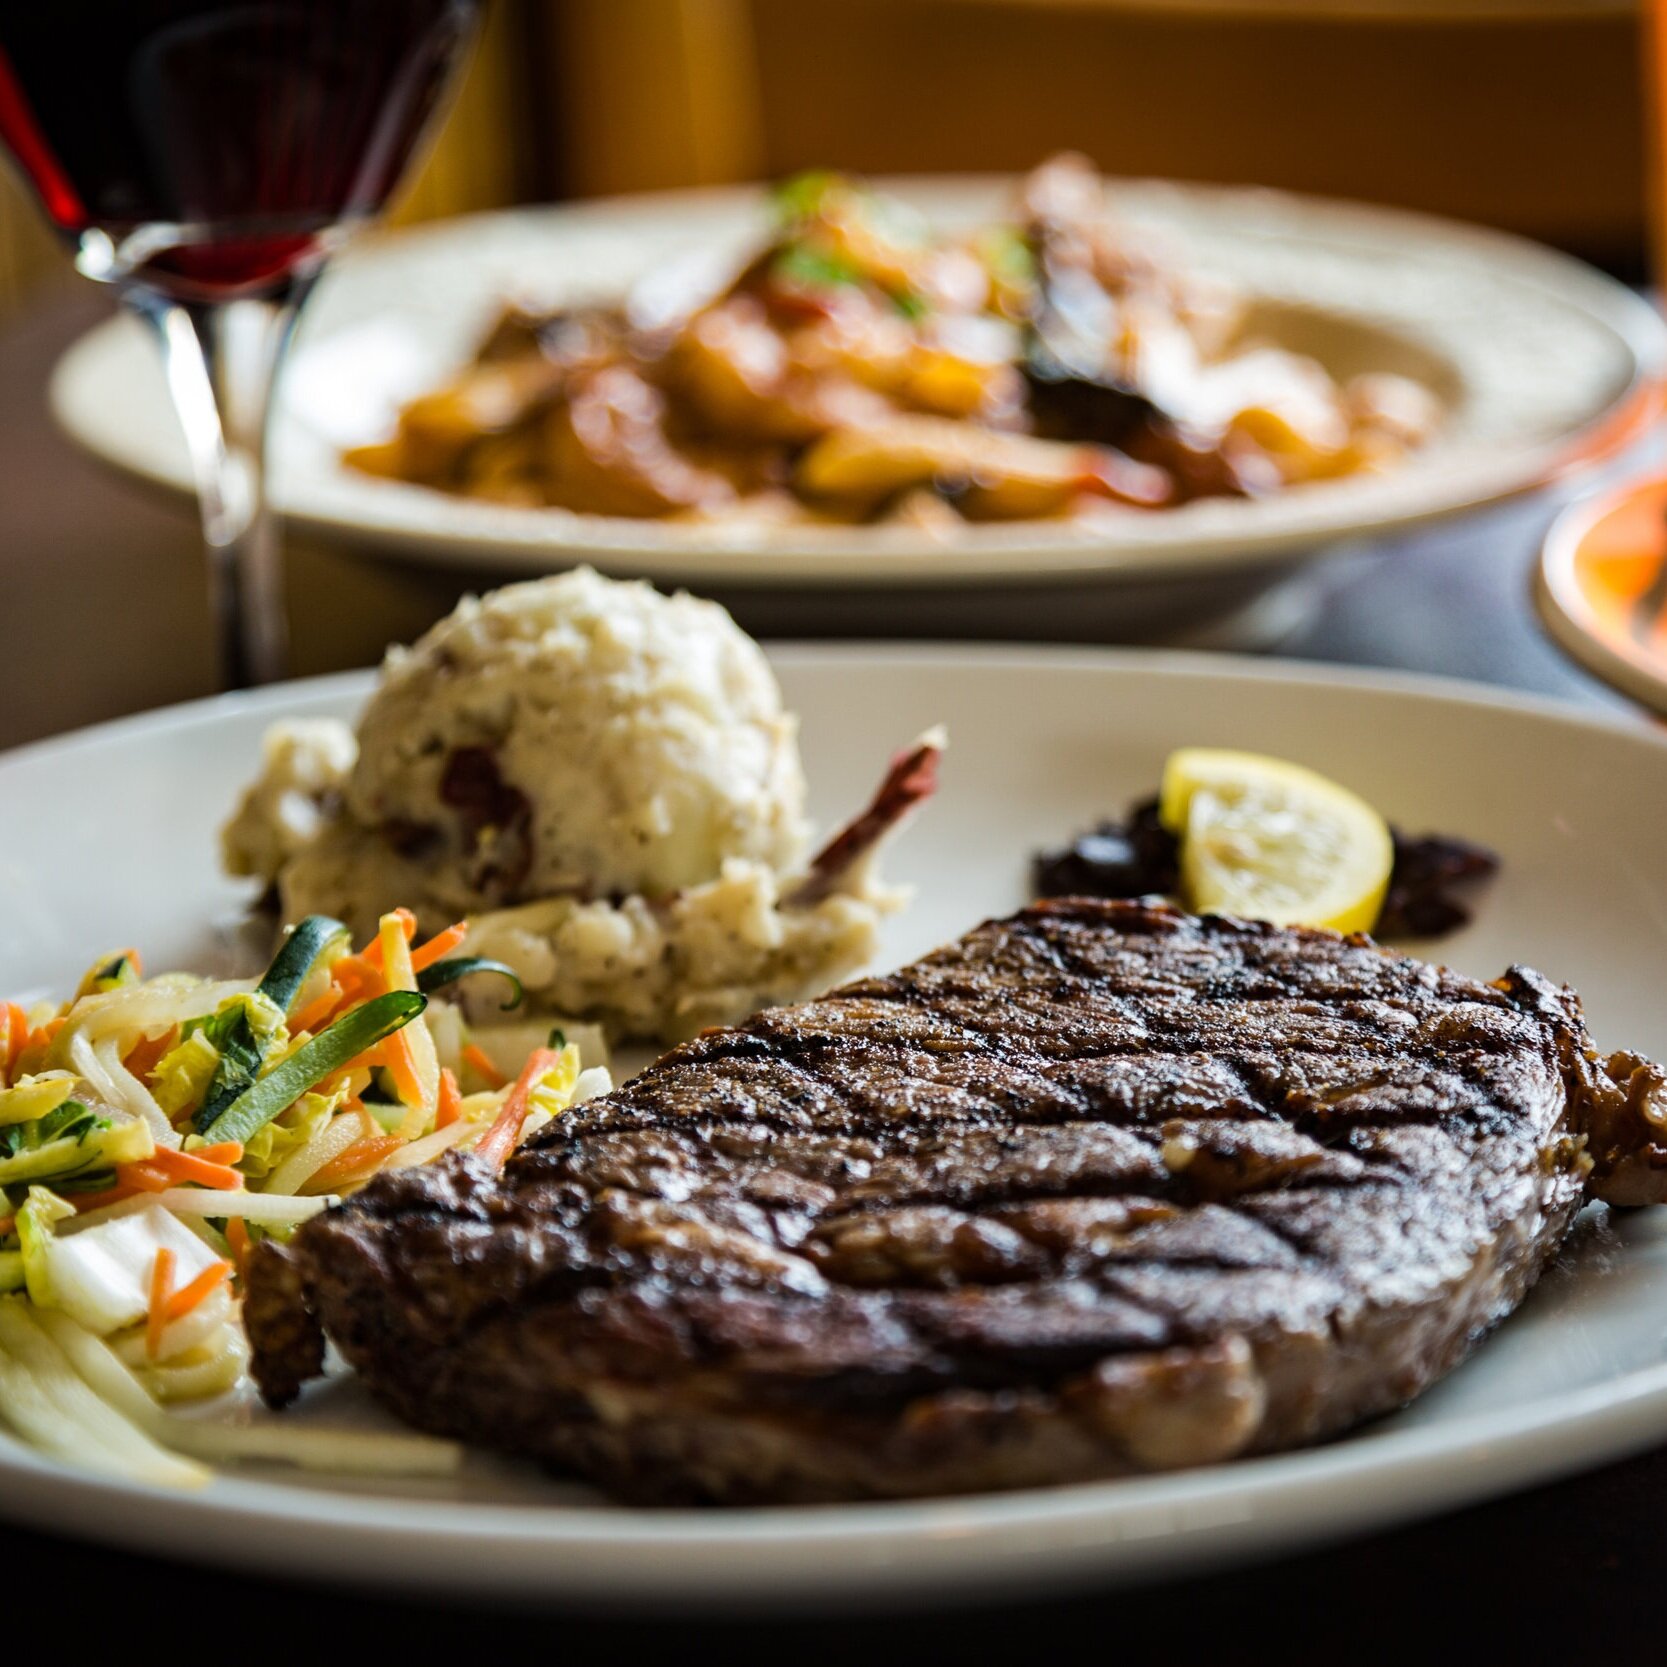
[
  {"x": 32, "y": 1097},
  {"x": 553, "y": 1092},
  {"x": 40, "y": 1214},
  {"x": 132, "y": 1095},
  {"x": 182, "y": 1076},
  {"x": 288, "y": 1132},
  {"x": 52, "y": 1406},
  {"x": 264, "y": 1017},
  {"x": 102, "y": 1276}
]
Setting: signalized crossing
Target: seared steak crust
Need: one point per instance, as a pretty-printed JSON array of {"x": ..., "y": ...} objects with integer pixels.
[{"x": 1102, "y": 1187}]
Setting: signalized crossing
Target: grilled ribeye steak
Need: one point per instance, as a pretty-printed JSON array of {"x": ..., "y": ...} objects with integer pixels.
[{"x": 1099, "y": 1188}]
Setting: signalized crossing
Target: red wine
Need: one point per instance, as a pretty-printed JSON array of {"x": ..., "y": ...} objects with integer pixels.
[{"x": 211, "y": 148}]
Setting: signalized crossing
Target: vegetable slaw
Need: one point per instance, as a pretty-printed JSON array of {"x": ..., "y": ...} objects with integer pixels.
[{"x": 154, "y": 1131}]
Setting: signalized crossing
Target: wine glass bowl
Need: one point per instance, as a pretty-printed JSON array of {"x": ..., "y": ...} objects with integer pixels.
[{"x": 207, "y": 157}]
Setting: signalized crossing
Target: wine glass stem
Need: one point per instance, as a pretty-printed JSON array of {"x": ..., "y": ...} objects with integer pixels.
[{"x": 221, "y": 360}]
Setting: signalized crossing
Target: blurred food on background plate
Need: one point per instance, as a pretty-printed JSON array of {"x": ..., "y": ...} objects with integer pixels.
[{"x": 860, "y": 368}]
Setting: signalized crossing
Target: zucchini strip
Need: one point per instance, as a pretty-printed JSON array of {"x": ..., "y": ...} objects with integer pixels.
[
  {"x": 312, "y": 939},
  {"x": 312, "y": 1062},
  {"x": 242, "y": 1050},
  {"x": 443, "y": 973}
]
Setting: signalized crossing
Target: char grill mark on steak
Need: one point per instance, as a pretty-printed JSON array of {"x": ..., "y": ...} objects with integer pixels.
[{"x": 1097, "y": 1188}]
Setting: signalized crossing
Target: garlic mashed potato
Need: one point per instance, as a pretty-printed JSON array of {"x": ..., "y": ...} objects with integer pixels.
[{"x": 602, "y": 780}]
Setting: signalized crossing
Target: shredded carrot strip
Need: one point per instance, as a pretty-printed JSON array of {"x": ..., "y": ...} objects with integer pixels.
[
  {"x": 161, "y": 1282},
  {"x": 161, "y": 1170},
  {"x": 371, "y": 954},
  {"x": 451, "y": 1100},
  {"x": 42, "y": 1036},
  {"x": 7, "y": 1225},
  {"x": 362, "y": 1155},
  {"x": 499, "y": 1140},
  {"x": 439, "y": 946},
  {"x": 402, "y": 1067},
  {"x": 222, "y": 1151},
  {"x": 237, "y": 1236},
  {"x": 369, "y": 1060},
  {"x": 141, "y": 1177},
  {"x": 156, "y": 1174},
  {"x": 477, "y": 1061},
  {"x": 188, "y": 1296},
  {"x": 145, "y": 1054},
  {"x": 315, "y": 1013},
  {"x": 186, "y": 1166},
  {"x": 17, "y": 1033},
  {"x": 360, "y": 976}
]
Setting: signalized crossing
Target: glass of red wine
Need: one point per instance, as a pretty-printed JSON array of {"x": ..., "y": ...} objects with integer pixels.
[{"x": 206, "y": 157}]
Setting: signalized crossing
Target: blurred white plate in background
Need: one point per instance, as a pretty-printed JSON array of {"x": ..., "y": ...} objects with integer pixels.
[{"x": 1545, "y": 362}]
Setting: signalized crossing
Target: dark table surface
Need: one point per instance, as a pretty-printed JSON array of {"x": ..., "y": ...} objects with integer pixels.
[{"x": 102, "y": 613}]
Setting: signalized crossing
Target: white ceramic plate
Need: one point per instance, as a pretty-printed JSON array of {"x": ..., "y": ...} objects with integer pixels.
[
  {"x": 109, "y": 838},
  {"x": 1544, "y": 362}
]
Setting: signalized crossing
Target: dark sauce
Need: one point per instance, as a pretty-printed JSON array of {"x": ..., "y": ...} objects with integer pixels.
[
  {"x": 1430, "y": 885},
  {"x": 1136, "y": 857},
  {"x": 1429, "y": 893}
]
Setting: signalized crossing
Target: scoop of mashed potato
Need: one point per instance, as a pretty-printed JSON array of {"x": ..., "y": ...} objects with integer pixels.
[{"x": 602, "y": 780}]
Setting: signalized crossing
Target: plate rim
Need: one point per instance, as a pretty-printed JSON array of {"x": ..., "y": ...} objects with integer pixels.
[
  {"x": 1567, "y": 613},
  {"x": 1186, "y": 662},
  {"x": 1165, "y": 1521},
  {"x": 809, "y": 1556},
  {"x": 991, "y": 557}
]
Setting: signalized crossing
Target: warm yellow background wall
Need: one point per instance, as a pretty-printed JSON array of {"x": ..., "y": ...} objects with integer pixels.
[
  {"x": 1523, "y": 113},
  {"x": 1530, "y": 122}
]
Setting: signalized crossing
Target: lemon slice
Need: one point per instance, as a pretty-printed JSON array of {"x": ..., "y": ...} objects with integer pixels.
[{"x": 1269, "y": 840}]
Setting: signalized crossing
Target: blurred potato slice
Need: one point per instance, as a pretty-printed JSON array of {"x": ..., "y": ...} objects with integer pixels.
[
  {"x": 737, "y": 377},
  {"x": 993, "y": 476},
  {"x": 486, "y": 399},
  {"x": 608, "y": 452}
]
